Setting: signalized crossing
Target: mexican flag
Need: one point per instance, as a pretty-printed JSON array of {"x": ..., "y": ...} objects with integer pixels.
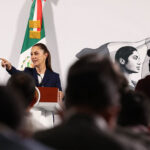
[{"x": 35, "y": 33}]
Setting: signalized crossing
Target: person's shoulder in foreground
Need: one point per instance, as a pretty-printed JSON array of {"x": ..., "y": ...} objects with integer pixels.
[
  {"x": 14, "y": 142},
  {"x": 80, "y": 132}
]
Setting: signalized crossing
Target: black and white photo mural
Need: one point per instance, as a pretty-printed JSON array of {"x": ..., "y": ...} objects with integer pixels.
[{"x": 132, "y": 57}]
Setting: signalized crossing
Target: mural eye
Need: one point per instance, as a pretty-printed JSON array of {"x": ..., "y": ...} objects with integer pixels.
[{"x": 135, "y": 57}]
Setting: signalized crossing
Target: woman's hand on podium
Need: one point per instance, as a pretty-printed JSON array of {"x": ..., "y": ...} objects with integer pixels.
[
  {"x": 60, "y": 105},
  {"x": 6, "y": 64},
  {"x": 60, "y": 96},
  {"x": 60, "y": 99}
]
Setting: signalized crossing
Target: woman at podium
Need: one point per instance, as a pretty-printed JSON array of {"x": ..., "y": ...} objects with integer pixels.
[
  {"x": 43, "y": 76},
  {"x": 42, "y": 71}
]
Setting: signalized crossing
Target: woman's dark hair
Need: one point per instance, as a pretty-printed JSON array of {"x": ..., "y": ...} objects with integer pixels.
[{"x": 48, "y": 59}]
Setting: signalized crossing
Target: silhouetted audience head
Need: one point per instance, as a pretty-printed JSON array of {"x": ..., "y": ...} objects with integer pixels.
[
  {"x": 24, "y": 84},
  {"x": 11, "y": 108},
  {"x": 93, "y": 82},
  {"x": 143, "y": 86},
  {"x": 135, "y": 110}
]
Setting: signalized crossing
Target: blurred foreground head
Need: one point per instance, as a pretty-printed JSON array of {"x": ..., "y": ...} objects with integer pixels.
[
  {"x": 95, "y": 83},
  {"x": 11, "y": 108},
  {"x": 143, "y": 86},
  {"x": 135, "y": 110},
  {"x": 24, "y": 84}
]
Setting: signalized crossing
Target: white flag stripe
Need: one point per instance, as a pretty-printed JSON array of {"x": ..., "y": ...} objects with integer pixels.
[
  {"x": 35, "y": 15},
  {"x": 43, "y": 3}
]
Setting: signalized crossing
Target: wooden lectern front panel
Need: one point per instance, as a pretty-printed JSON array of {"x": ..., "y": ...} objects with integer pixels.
[{"x": 48, "y": 94}]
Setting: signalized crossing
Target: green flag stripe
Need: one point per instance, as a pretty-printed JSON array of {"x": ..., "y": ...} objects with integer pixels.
[{"x": 32, "y": 10}]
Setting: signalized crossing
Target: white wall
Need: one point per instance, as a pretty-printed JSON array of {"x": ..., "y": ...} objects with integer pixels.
[{"x": 72, "y": 25}]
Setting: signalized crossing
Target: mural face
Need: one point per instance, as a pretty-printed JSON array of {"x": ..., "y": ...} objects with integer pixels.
[
  {"x": 133, "y": 60},
  {"x": 133, "y": 64}
]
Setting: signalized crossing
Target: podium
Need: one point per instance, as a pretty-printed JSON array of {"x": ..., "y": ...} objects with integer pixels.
[{"x": 46, "y": 98}]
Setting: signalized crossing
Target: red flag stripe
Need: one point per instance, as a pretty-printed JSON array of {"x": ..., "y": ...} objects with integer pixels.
[{"x": 39, "y": 12}]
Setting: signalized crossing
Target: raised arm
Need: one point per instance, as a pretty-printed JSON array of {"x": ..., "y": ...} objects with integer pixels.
[
  {"x": 9, "y": 68},
  {"x": 6, "y": 64}
]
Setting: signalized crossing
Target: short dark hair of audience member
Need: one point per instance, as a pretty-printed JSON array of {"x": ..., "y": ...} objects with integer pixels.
[
  {"x": 135, "y": 110},
  {"x": 25, "y": 85},
  {"x": 122, "y": 56},
  {"x": 11, "y": 108},
  {"x": 93, "y": 83},
  {"x": 143, "y": 86}
]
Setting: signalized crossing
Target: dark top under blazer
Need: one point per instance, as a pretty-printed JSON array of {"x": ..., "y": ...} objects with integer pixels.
[{"x": 50, "y": 79}]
